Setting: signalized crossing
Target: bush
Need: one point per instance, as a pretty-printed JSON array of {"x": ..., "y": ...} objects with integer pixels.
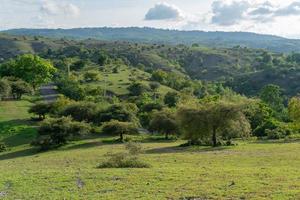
[
  {"x": 278, "y": 133},
  {"x": 56, "y": 132},
  {"x": 19, "y": 88},
  {"x": 91, "y": 76},
  {"x": 3, "y": 147},
  {"x": 136, "y": 89},
  {"x": 41, "y": 109},
  {"x": 122, "y": 113},
  {"x": 128, "y": 159},
  {"x": 81, "y": 111},
  {"x": 119, "y": 128},
  {"x": 4, "y": 88},
  {"x": 171, "y": 99}
]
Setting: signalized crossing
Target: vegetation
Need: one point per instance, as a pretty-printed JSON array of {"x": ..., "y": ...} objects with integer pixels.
[{"x": 106, "y": 94}]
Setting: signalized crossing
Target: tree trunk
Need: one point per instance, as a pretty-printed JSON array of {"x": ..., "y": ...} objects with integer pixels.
[
  {"x": 214, "y": 137},
  {"x": 121, "y": 137},
  {"x": 167, "y": 136}
]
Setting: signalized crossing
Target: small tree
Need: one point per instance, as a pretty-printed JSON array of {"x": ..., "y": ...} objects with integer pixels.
[
  {"x": 81, "y": 111},
  {"x": 119, "y": 128},
  {"x": 294, "y": 109},
  {"x": 19, "y": 88},
  {"x": 164, "y": 122},
  {"x": 212, "y": 121},
  {"x": 136, "y": 89},
  {"x": 4, "y": 88},
  {"x": 91, "y": 76},
  {"x": 171, "y": 99},
  {"x": 41, "y": 109},
  {"x": 272, "y": 95},
  {"x": 56, "y": 132}
]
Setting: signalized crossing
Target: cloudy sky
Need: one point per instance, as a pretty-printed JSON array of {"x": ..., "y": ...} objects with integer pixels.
[{"x": 279, "y": 17}]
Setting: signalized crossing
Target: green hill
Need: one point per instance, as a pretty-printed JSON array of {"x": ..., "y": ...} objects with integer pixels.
[{"x": 151, "y": 35}]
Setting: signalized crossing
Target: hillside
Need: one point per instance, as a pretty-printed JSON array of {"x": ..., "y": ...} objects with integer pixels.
[
  {"x": 244, "y": 69},
  {"x": 151, "y": 35}
]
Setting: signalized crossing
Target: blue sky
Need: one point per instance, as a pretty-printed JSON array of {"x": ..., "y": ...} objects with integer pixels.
[{"x": 262, "y": 16}]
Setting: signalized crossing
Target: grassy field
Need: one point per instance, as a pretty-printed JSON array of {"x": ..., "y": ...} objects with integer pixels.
[
  {"x": 119, "y": 82},
  {"x": 251, "y": 170}
]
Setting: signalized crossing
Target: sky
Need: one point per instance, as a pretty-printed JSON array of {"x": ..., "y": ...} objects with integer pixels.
[{"x": 277, "y": 17}]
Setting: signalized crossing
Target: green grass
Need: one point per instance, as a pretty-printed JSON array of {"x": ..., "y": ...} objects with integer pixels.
[
  {"x": 119, "y": 82},
  {"x": 251, "y": 170}
]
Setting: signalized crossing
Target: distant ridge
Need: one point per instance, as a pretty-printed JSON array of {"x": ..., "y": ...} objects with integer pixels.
[{"x": 152, "y": 35}]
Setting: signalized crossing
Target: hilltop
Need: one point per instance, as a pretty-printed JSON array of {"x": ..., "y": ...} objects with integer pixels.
[{"x": 162, "y": 36}]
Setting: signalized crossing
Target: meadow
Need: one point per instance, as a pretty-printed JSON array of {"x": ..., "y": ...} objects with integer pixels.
[{"x": 251, "y": 170}]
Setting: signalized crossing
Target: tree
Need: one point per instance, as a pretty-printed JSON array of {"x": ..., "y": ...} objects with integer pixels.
[
  {"x": 56, "y": 132},
  {"x": 136, "y": 89},
  {"x": 213, "y": 121},
  {"x": 41, "y": 109},
  {"x": 171, "y": 99},
  {"x": 32, "y": 69},
  {"x": 122, "y": 113},
  {"x": 4, "y": 88},
  {"x": 294, "y": 109},
  {"x": 115, "y": 127},
  {"x": 78, "y": 65},
  {"x": 272, "y": 96},
  {"x": 19, "y": 88},
  {"x": 81, "y": 111},
  {"x": 91, "y": 76},
  {"x": 164, "y": 122}
]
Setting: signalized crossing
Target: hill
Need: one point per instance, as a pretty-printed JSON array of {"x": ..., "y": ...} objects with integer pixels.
[
  {"x": 244, "y": 69},
  {"x": 151, "y": 35}
]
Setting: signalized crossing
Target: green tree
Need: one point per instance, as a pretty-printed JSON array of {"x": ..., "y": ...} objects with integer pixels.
[
  {"x": 214, "y": 121},
  {"x": 136, "y": 89},
  {"x": 294, "y": 109},
  {"x": 4, "y": 88},
  {"x": 272, "y": 96},
  {"x": 115, "y": 127},
  {"x": 164, "y": 122},
  {"x": 19, "y": 88},
  {"x": 41, "y": 109},
  {"x": 171, "y": 99},
  {"x": 32, "y": 69}
]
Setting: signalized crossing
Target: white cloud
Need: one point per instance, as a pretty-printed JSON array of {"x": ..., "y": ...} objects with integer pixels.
[
  {"x": 164, "y": 11},
  {"x": 50, "y": 7},
  {"x": 228, "y": 13}
]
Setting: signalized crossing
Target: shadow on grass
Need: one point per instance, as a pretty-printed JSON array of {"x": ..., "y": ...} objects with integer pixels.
[
  {"x": 17, "y": 132},
  {"x": 17, "y": 154},
  {"x": 280, "y": 141},
  {"x": 192, "y": 149}
]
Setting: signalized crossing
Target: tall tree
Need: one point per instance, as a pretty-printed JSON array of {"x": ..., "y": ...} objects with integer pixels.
[
  {"x": 212, "y": 121},
  {"x": 30, "y": 68}
]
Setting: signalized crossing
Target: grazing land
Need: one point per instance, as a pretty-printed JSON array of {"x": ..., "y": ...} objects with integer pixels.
[{"x": 250, "y": 170}]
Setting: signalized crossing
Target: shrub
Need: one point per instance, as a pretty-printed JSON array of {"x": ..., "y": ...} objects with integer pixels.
[
  {"x": 41, "y": 109},
  {"x": 81, "y": 111},
  {"x": 171, "y": 99},
  {"x": 4, "y": 88},
  {"x": 3, "y": 147},
  {"x": 19, "y": 88},
  {"x": 136, "y": 89},
  {"x": 128, "y": 159},
  {"x": 122, "y": 113},
  {"x": 119, "y": 128},
  {"x": 56, "y": 132},
  {"x": 91, "y": 76}
]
